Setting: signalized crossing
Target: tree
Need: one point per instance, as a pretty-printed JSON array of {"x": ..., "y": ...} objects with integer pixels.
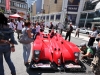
[{"x": 1, "y": 10}]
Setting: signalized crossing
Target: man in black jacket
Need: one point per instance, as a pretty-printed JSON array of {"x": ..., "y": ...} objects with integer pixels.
[
  {"x": 69, "y": 31},
  {"x": 51, "y": 27}
]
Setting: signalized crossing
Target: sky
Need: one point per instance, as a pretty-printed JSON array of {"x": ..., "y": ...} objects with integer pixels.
[{"x": 30, "y": 2}]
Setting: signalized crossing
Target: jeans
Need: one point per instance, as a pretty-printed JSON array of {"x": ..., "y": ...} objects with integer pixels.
[
  {"x": 26, "y": 52},
  {"x": 6, "y": 52},
  {"x": 91, "y": 42},
  {"x": 68, "y": 34}
]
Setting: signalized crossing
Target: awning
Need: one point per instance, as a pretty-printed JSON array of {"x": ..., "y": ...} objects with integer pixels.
[
  {"x": 15, "y": 16},
  {"x": 97, "y": 7}
]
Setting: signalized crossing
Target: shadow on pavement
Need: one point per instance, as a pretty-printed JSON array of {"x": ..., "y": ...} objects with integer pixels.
[
  {"x": 88, "y": 62},
  {"x": 40, "y": 71}
]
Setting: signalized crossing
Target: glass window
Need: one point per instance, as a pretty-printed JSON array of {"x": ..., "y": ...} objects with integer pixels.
[
  {"x": 55, "y": 2},
  {"x": 81, "y": 23},
  {"x": 38, "y": 17},
  {"x": 44, "y": 17},
  {"x": 89, "y": 6},
  {"x": 24, "y": 6},
  {"x": 21, "y": 5},
  {"x": 0, "y": 1},
  {"x": 90, "y": 15},
  {"x": 58, "y": 17},
  {"x": 47, "y": 17},
  {"x": 14, "y": 3},
  {"x": 52, "y": 17},
  {"x": 13, "y": 11},
  {"x": 18, "y": 4},
  {"x": 83, "y": 15},
  {"x": 97, "y": 13}
]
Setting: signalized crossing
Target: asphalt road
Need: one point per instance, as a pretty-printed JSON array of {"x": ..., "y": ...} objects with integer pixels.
[{"x": 17, "y": 58}]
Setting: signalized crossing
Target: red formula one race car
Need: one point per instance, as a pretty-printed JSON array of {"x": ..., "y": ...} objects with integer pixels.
[{"x": 52, "y": 51}]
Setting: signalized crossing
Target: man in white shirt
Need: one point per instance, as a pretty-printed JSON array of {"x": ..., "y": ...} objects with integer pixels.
[
  {"x": 37, "y": 28},
  {"x": 92, "y": 37},
  {"x": 19, "y": 26},
  {"x": 11, "y": 25},
  {"x": 60, "y": 26}
]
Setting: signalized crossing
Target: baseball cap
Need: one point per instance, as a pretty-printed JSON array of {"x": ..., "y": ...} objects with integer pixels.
[{"x": 82, "y": 44}]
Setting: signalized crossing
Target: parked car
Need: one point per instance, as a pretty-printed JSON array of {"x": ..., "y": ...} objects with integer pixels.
[
  {"x": 54, "y": 52},
  {"x": 85, "y": 31},
  {"x": 74, "y": 27}
]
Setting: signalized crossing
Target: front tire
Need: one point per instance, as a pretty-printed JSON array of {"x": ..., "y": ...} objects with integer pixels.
[{"x": 87, "y": 32}]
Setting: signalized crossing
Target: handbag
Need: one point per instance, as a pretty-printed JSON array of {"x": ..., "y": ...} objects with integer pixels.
[{"x": 24, "y": 39}]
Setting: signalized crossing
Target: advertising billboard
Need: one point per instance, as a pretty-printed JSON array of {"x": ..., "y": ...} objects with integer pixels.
[
  {"x": 7, "y": 4},
  {"x": 73, "y": 5}
]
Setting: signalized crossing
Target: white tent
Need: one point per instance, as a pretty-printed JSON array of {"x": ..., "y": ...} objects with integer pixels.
[
  {"x": 15, "y": 16},
  {"x": 97, "y": 7}
]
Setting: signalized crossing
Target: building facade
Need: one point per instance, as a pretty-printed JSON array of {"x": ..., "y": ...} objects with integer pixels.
[
  {"x": 89, "y": 17},
  {"x": 79, "y": 12},
  {"x": 16, "y": 6},
  {"x": 34, "y": 9},
  {"x": 50, "y": 8}
]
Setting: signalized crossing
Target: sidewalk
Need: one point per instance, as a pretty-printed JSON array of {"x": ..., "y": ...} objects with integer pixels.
[{"x": 85, "y": 38}]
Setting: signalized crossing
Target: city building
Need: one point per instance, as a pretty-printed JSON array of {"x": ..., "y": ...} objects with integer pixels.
[
  {"x": 89, "y": 16},
  {"x": 34, "y": 9},
  {"x": 16, "y": 6},
  {"x": 52, "y": 6},
  {"x": 48, "y": 10},
  {"x": 80, "y": 12}
]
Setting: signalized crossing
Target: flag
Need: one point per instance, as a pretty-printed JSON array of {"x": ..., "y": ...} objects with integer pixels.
[{"x": 7, "y": 4}]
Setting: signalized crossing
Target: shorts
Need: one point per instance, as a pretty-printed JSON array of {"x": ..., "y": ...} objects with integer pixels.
[{"x": 19, "y": 31}]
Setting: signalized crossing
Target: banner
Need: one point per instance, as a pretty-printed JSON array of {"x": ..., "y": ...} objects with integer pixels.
[
  {"x": 72, "y": 8},
  {"x": 7, "y": 4},
  {"x": 73, "y": 5}
]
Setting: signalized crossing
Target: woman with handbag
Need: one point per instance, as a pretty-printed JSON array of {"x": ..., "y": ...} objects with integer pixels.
[
  {"x": 7, "y": 42},
  {"x": 26, "y": 31}
]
